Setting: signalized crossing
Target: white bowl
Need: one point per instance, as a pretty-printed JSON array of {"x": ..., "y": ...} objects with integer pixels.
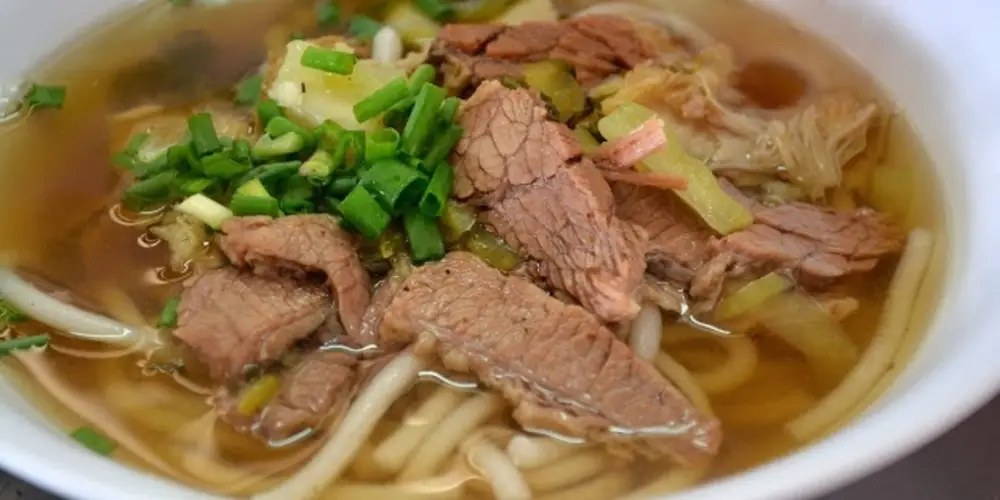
[{"x": 936, "y": 59}]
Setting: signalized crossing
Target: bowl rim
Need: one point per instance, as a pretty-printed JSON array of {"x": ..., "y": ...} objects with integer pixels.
[{"x": 889, "y": 430}]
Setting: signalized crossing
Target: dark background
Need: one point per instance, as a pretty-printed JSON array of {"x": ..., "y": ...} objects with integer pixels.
[{"x": 962, "y": 465}]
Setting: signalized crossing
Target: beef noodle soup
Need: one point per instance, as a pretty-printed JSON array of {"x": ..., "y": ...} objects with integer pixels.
[{"x": 494, "y": 248}]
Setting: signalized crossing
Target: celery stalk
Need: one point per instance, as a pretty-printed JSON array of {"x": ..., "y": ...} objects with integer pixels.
[{"x": 703, "y": 194}]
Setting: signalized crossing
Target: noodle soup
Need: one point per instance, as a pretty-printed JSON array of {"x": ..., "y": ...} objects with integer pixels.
[{"x": 778, "y": 352}]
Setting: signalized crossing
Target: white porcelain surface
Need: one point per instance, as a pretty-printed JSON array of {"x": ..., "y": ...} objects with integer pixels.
[{"x": 937, "y": 59}]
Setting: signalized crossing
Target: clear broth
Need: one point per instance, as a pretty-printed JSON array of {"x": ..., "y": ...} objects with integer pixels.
[{"x": 59, "y": 185}]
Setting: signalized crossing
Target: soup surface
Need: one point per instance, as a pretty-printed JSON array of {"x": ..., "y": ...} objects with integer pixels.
[{"x": 683, "y": 240}]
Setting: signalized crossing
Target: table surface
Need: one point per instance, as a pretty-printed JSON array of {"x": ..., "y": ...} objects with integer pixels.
[{"x": 962, "y": 465}]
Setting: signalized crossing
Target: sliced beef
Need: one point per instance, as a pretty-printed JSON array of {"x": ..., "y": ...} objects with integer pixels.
[
  {"x": 230, "y": 319},
  {"x": 508, "y": 141},
  {"x": 566, "y": 223},
  {"x": 299, "y": 245},
  {"x": 562, "y": 369},
  {"x": 819, "y": 244},
  {"x": 595, "y": 46},
  {"x": 546, "y": 201},
  {"x": 318, "y": 386},
  {"x": 679, "y": 243},
  {"x": 816, "y": 243}
]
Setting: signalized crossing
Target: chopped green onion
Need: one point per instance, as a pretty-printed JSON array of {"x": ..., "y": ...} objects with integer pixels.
[
  {"x": 457, "y": 219},
  {"x": 327, "y": 134},
  {"x": 203, "y": 136},
  {"x": 241, "y": 151},
  {"x": 298, "y": 195},
  {"x": 424, "y": 237},
  {"x": 23, "y": 343},
  {"x": 438, "y": 189},
  {"x": 271, "y": 173},
  {"x": 205, "y": 209},
  {"x": 135, "y": 143},
  {"x": 93, "y": 440},
  {"x": 221, "y": 166},
  {"x": 327, "y": 14},
  {"x": 254, "y": 205},
  {"x": 421, "y": 120},
  {"x": 424, "y": 73},
  {"x": 267, "y": 109},
  {"x": 10, "y": 314},
  {"x": 449, "y": 109},
  {"x": 365, "y": 214},
  {"x": 341, "y": 186},
  {"x": 268, "y": 147},
  {"x": 253, "y": 188},
  {"x": 279, "y": 126},
  {"x": 318, "y": 167},
  {"x": 124, "y": 160},
  {"x": 443, "y": 144},
  {"x": 331, "y": 61},
  {"x": 354, "y": 140},
  {"x": 168, "y": 315},
  {"x": 154, "y": 189},
  {"x": 196, "y": 185},
  {"x": 177, "y": 155},
  {"x": 381, "y": 145},
  {"x": 395, "y": 184},
  {"x": 437, "y": 10},
  {"x": 248, "y": 92},
  {"x": 381, "y": 100},
  {"x": 46, "y": 96},
  {"x": 363, "y": 27}
]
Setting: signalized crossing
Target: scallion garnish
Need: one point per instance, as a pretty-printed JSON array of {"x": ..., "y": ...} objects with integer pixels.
[
  {"x": 443, "y": 144},
  {"x": 438, "y": 10},
  {"x": 331, "y": 61},
  {"x": 363, "y": 27},
  {"x": 268, "y": 147},
  {"x": 424, "y": 237},
  {"x": 93, "y": 440},
  {"x": 203, "y": 136},
  {"x": 279, "y": 126},
  {"x": 421, "y": 121},
  {"x": 10, "y": 314},
  {"x": 248, "y": 92},
  {"x": 22, "y": 343},
  {"x": 168, "y": 315},
  {"x": 46, "y": 96},
  {"x": 381, "y": 100},
  {"x": 425, "y": 73},
  {"x": 449, "y": 108},
  {"x": 381, "y": 145},
  {"x": 267, "y": 109},
  {"x": 327, "y": 14},
  {"x": 341, "y": 186},
  {"x": 438, "y": 189},
  {"x": 196, "y": 185},
  {"x": 365, "y": 214},
  {"x": 221, "y": 166},
  {"x": 397, "y": 185},
  {"x": 254, "y": 205},
  {"x": 318, "y": 167}
]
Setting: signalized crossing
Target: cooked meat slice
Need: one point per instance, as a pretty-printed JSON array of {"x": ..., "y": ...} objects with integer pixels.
[
  {"x": 595, "y": 46},
  {"x": 678, "y": 242},
  {"x": 315, "y": 388},
  {"x": 231, "y": 319},
  {"x": 547, "y": 202},
  {"x": 302, "y": 244},
  {"x": 508, "y": 141},
  {"x": 469, "y": 38},
  {"x": 567, "y": 224},
  {"x": 818, "y": 244},
  {"x": 562, "y": 369}
]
